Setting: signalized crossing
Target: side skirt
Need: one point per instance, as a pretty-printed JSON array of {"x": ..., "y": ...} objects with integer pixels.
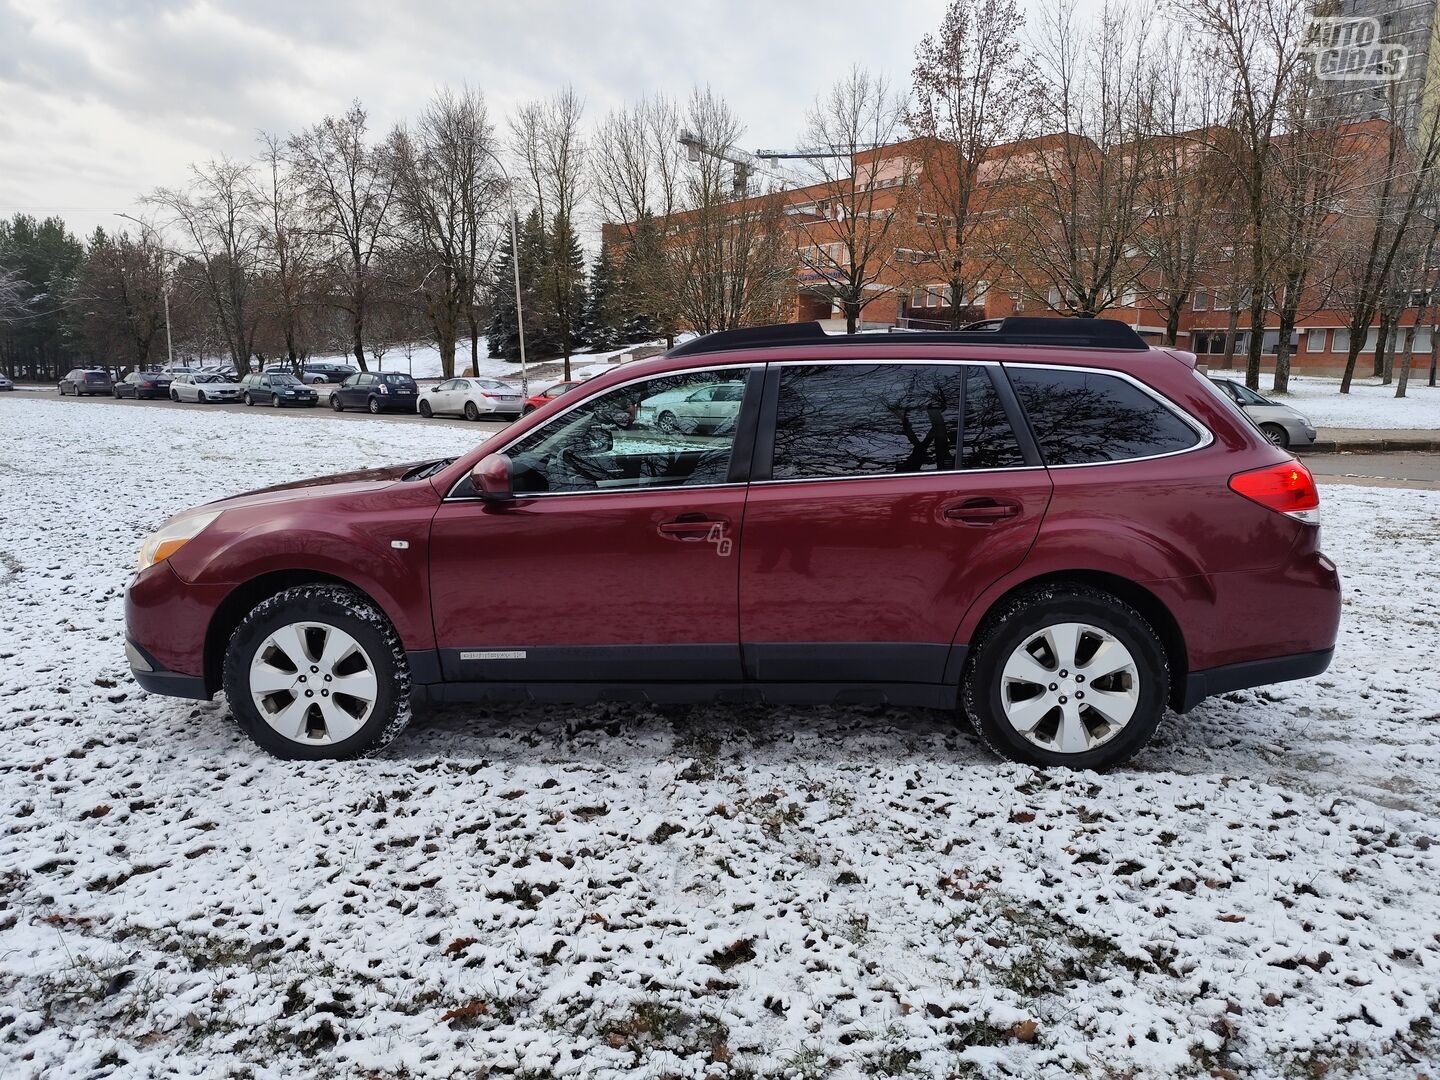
[{"x": 919, "y": 695}]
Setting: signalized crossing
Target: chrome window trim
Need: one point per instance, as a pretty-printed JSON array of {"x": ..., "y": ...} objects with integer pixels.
[
  {"x": 747, "y": 367},
  {"x": 1206, "y": 436}
]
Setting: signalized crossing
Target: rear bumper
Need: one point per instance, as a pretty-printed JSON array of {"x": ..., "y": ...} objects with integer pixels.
[{"x": 1221, "y": 680}]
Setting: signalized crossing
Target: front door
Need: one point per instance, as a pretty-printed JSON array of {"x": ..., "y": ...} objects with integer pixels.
[
  {"x": 897, "y": 493},
  {"x": 617, "y": 561}
]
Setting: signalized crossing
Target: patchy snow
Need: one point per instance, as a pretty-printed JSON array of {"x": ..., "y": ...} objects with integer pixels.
[
  {"x": 1368, "y": 405},
  {"x": 725, "y": 892},
  {"x": 423, "y": 361}
]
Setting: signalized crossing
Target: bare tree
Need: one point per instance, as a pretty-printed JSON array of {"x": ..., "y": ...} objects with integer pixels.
[
  {"x": 1255, "y": 46},
  {"x": 729, "y": 261},
  {"x": 549, "y": 144},
  {"x": 287, "y": 257},
  {"x": 121, "y": 284},
  {"x": 639, "y": 173},
  {"x": 1075, "y": 214},
  {"x": 853, "y": 228},
  {"x": 348, "y": 193},
  {"x": 969, "y": 99},
  {"x": 445, "y": 192},
  {"x": 217, "y": 214}
]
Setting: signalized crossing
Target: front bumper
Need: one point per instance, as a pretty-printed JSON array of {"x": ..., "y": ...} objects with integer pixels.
[{"x": 155, "y": 680}]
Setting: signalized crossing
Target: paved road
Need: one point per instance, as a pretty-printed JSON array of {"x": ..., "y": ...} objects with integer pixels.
[
  {"x": 1412, "y": 470},
  {"x": 1377, "y": 470}
]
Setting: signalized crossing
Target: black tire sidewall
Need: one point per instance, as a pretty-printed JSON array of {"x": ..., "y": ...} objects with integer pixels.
[
  {"x": 425, "y": 410},
  {"x": 374, "y": 406},
  {"x": 324, "y": 604},
  {"x": 471, "y": 412},
  {"x": 1283, "y": 442},
  {"x": 982, "y": 687}
]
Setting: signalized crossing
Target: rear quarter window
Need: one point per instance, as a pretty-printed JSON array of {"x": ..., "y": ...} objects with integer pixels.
[{"x": 1086, "y": 417}]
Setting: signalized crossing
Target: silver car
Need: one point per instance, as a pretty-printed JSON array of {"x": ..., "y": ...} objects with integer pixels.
[
  {"x": 688, "y": 411},
  {"x": 1279, "y": 423},
  {"x": 204, "y": 388}
]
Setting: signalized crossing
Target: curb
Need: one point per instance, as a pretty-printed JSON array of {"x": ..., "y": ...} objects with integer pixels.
[{"x": 1373, "y": 446}]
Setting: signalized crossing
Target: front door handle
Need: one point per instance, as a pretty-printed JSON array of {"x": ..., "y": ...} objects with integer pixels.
[
  {"x": 983, "y": 511},
  {"x": 693, "y": 527}
]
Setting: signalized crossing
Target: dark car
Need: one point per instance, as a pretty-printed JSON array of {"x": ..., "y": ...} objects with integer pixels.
[
  {"x": 83, "y": 381},
  {"x": 378, "y": 391},
  {"x": 276, "y": 388},
  {"x": 143, "y": 385},
  {"x": 325, "y": 371},
  {"x": 1046, "y": 526}
]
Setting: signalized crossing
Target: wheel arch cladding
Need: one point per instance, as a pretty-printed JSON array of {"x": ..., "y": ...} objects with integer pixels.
[
  {"x": 1137, "y": 596},
  {"x": 245, "y": 597}
]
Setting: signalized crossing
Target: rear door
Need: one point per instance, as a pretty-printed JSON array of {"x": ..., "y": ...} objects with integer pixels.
[{"x": 887, "y": 497}]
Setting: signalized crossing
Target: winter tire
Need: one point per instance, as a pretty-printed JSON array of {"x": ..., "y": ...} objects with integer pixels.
[
  {"x": 471, "y": 412},
  {"x": 336, "y": 404},
  {"x": 200, "y": 394},
  {"x": 1067, "y": 675},
  {"x": 248, "y": 399},
  {"x": 374, "y": 405},
  {"x": 425, "y": 410},
  {"x": 667, "y": 423},
  {"x": 318, "y": 672}
]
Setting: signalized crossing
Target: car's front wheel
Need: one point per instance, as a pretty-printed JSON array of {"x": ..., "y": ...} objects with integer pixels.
[
  {"x": 425, "y": 410},
  {"x": 1276, "y": 434},
  {"x": 317, "y": 671},
  {"x": 1067, "y": 675},
  {"x": 248, "y": 399}
]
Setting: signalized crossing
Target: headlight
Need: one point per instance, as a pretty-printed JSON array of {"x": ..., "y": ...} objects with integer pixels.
[{"x": 172, "y": 536}]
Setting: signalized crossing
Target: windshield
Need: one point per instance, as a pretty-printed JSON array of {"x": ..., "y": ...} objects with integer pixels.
[{"x": 284, "y": 379}]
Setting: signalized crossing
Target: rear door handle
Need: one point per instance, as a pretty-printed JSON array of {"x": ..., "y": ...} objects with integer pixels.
[{"x": 983, "y": 511}]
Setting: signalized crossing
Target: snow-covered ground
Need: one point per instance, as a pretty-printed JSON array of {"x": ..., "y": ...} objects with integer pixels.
[
  {"x": 718, "y": 892},
  {"x": 1368, "y": 405},
  {"x": 423, "y": 361}
]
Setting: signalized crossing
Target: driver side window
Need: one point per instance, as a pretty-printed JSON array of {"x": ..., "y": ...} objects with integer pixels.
[{"x": 642, "y": 435}]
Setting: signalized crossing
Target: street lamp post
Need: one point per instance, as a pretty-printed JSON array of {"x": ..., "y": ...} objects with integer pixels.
[
  {"x": 514, "y": 265},
  {"x": 164, "y": 288}
]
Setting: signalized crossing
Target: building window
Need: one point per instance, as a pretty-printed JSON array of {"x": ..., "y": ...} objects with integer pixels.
[
  {"x": 1342, "y": 341},
  {"x": 1202, "y": 300},
  {"x": 1315, "y": 341}
]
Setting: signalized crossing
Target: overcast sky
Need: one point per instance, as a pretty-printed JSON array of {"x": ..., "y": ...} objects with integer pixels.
[{"x": 103, "y": 100}]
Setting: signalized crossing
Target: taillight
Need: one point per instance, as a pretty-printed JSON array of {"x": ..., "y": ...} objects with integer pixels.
[{"x": 1288, "y": 489}]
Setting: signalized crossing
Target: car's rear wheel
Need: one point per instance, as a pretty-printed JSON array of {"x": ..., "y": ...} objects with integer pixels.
[
  {"x": 471, "y": 412},
  {"x": 1276, "y": 435},
  {"x": 425, "y": 410},
  {"x": 317, "y": 671},
  {"x": 1067, "y": 675},
  {"x": 374, "y": 405}
]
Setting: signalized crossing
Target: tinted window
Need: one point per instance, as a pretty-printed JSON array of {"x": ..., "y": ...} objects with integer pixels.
[
  {"x": 1081, "y": 417},
  {"x": 634, "y": 436},
  {"x": 887, "y": 419},
  {"x": 398, "y": 379}
]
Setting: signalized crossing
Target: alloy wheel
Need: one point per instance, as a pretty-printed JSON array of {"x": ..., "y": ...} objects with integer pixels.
[
  {"x": 1070, "y": 687},
  {"x": 313, "y": 683}
]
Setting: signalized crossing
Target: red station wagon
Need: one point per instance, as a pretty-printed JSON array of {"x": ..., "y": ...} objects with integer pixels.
[{"x": 1046, "y": 525}]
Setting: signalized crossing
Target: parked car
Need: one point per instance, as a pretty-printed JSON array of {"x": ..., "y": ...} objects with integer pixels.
[
  {"x": 225, "y": 371},
  {"x": 325, "y": 371},
  {"x": 204, "y": 388},
  {"x": 471, "y": 398},
  {"x": 276, "y": 388},
  {"x": 174, "y": 371},
  {"x": 378, "y": 391},
  {"x": 1046, "y": 526},
  {"x": 83, "y": 381},
  {"x": 142, "y": 385},
  {"x": 5, "y": 383},
  {"x": 1277, "y": 421},
  {"x": 689, "y": 410},
  {"x": 549, "y": 394}
]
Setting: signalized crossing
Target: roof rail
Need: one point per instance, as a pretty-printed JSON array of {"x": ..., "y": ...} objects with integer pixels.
[{"x": 1012, "y": 330}]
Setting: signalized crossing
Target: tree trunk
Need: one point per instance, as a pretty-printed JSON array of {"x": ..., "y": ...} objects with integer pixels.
[
  {"x": 1434, "y": 352},
  {"x": 1407, "y": 359},
  {"x": 445, "y": 340},
  {"x": 357, "y": 326},
  {"x": 1257, "y": 340},
  {"x": 1230, "y": 336},
  {"x": 1172, "y": 323},
  {"x": 852, "y": 316},
  {"x": 1352, "y": 358},
  {"x": 1378, "y": 360}
]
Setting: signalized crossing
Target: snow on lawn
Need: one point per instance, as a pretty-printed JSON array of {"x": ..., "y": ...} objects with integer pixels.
[
  {"x": 423, "y": 361},
  {"x": 1368, "y": 405},
  {"x": 725, "y": 892}
]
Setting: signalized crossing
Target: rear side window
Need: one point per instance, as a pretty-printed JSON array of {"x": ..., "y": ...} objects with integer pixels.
[
  {"x": 1084, "y": 417},
  {"x": 887, "y": 419}
]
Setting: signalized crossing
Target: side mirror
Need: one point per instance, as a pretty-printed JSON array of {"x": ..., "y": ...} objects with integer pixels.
[{"x": 491, "y": 478}]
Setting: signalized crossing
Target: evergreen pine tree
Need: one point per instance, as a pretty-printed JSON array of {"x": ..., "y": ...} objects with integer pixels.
[{"x": 604, "y": 313}]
